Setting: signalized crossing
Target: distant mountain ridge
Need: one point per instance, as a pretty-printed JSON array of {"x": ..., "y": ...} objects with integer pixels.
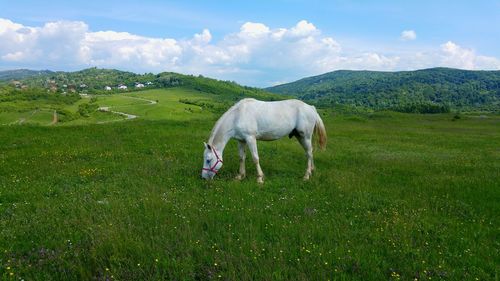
[
  {"x": 384, "y": 90},
  {"x": 17, "y": 74}
]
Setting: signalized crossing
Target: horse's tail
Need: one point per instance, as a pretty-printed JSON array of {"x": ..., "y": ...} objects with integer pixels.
[{"x": 319, "y": 129}]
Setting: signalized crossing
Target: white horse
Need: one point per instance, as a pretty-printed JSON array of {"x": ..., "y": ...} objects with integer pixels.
[{"x": 250, "y": 120}]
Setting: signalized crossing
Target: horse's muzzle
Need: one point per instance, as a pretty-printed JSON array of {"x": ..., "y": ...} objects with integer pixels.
[{"x": 207, "y": 175}]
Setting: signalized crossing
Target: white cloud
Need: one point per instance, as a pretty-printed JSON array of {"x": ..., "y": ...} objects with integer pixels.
[
  {"x": 456, "y": 56},
  {"x": 253, "y": 30},
  {"x": 408, "y": 35},
  {"x": 204, "y": 37},
  {"x": 256, "y": 54},
  {"x": 303, "y": 28},
  {"x": 118, "y": 49},
  {"x": 17, "y": 56},
  {"x": 453, "y": 55}
]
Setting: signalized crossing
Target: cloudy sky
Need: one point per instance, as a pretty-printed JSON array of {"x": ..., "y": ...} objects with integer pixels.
[{"x": 258, "y": 43}]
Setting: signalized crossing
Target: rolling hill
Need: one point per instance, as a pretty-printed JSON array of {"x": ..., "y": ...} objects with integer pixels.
[
  {"x": 458, "y": 89},
  {"x": 34, "y": 100},
  {"x": 423, "y": 91},
  {"x": 94, "y": 80}
]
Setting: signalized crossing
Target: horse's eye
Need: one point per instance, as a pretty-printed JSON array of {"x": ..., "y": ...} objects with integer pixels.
[{"x": 208, "y": 161}]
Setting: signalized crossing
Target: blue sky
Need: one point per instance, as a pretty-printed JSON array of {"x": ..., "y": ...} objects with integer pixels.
[{"x": 257, "y": 43}]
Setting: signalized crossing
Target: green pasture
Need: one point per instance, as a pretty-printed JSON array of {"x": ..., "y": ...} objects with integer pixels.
[
  {"x": 167, "y": 106},
  {"x": 394, "y": 197}
]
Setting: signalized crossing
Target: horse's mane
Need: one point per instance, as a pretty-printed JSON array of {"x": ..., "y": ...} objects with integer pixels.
[{"x": 223, "y": 117}]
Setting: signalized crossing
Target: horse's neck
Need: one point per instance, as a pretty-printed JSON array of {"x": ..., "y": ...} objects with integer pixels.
[{"x": 222, "y": 133}]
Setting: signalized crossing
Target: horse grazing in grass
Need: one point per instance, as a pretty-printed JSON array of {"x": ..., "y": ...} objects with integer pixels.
[{"x": 250, "y": 120}]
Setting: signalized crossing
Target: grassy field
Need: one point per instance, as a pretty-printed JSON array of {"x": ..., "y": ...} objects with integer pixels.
[
  {"x": 167, "y": 106},
  {"x": 394, "y": 197}
]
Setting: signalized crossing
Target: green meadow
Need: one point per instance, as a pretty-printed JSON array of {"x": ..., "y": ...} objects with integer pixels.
[
  {"x": 394, "y": 197},
  {"x": 166, "y": 106}
]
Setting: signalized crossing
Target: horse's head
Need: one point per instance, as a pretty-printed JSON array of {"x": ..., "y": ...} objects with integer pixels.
[{"x": 212, "y": 162}]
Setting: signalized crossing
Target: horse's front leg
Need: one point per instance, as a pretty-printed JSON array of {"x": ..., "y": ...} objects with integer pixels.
[
  {"x": 241, "y": 150},
  {"x": 252, "y": 145}
]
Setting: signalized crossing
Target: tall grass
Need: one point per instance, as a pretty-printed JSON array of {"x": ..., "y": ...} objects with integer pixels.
[{"x": 395, "y": 196}]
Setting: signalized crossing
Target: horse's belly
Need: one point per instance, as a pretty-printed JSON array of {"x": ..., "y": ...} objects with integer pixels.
[{"x": 273, "y": 134}]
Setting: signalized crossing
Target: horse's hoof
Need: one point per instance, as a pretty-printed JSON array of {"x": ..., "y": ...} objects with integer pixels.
[
  {"x": 260, "y": 180},
  {"x": 306, "y": 177},
  {"x": 239, "y": 177}
]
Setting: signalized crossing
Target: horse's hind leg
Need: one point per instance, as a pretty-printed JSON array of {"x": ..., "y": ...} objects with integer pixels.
[
  {"x": 307, "y": 145},
  {"x": 252, "y": 145},
  {"x": 241, "y": 150}
]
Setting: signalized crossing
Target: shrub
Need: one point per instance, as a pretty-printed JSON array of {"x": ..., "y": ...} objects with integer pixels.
[
  {"x": 66, "y": 116},
  {"x": 87, "y": 108},
  {"x": 425, "y": 108},
  {"x": 456, "y": 116}
]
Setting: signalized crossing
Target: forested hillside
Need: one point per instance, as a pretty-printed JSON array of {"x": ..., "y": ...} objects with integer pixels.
[
  {"x": 458, "y": 89},
  {"x": 96, "y": 80},
  {"x": 422, "y": 91}
]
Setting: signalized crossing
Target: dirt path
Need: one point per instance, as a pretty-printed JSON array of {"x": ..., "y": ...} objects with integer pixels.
[
  {"x": 127, "y": 115},
  {"x": 21, "y": 120},
  {"x": 107, "y": 109},
  {"x": 136, "y": 98}
]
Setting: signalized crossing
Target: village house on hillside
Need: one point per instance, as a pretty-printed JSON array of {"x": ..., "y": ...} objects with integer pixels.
[
  {"x": 107, "y": 88},
  {"x": 52, "y": 85},
  {"x": 72, "y": 88},
  {"x": 139, "y": 85},
  {"x": 122, "y": 87},
  {"x": 17, "y": 84}
]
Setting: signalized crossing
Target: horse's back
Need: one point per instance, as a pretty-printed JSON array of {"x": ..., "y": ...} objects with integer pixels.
[
  {"x": 274, "y": 119},
  {"x": 251, "y": 103}
]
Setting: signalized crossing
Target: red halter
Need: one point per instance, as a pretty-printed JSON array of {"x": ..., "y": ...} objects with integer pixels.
[{"x": 212, "y": 169}]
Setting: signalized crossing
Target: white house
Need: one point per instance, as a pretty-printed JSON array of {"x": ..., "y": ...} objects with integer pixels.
[
  {"x": 139, "y": 85},
  {"x": 122, "y": 87},
  {"x": 107, "y": 88}
]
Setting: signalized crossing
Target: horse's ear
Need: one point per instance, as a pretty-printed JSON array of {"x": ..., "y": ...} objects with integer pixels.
[{"x": 207, "y": 146}]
